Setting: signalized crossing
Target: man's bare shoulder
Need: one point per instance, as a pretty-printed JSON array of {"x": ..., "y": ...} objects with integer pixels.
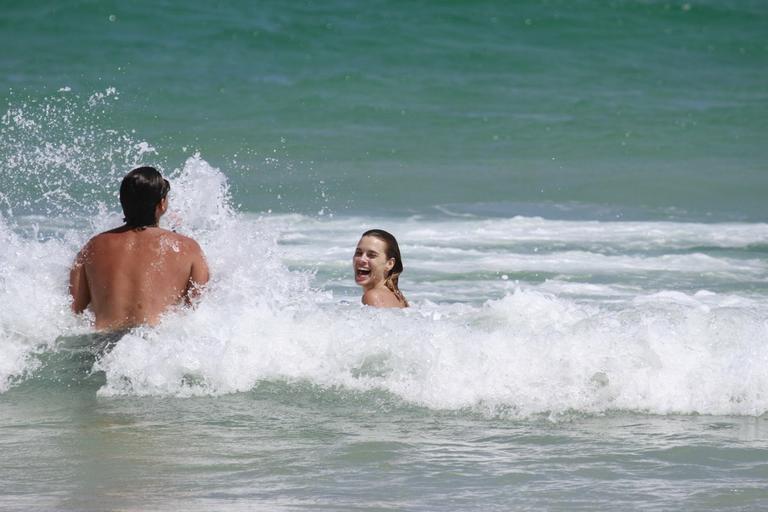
[
  {"x": 111, "y": 235},
  {"x": 109, "y": 238},
  {"x": 98, "y": 240},
  {"x": 187, "y": 243},
  {"x": 130, "y": 238}
]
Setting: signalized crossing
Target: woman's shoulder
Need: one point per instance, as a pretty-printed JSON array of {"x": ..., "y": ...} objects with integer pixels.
[{"x": 381, "y": 298}]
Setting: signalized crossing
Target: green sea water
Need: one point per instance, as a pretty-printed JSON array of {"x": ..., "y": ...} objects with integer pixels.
[
  {"x": 648, "y": 107},
  {"x": 578, "y": 188}
]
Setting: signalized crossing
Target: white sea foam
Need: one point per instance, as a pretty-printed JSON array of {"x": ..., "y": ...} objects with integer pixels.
[
  {"x": 35, "y": 308},
  {"x": 534, "y": 232},
  {"x": 528, "y": 349},
  {"x": 526, "y": 353}
]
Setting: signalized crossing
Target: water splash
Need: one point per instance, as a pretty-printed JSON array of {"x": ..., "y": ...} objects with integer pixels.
[
  {"x": 536, "y": 349},
  {"x": 60, "y": 156}
]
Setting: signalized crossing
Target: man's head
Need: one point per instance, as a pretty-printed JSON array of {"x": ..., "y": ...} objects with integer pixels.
[{"x": 141, "y": 194}]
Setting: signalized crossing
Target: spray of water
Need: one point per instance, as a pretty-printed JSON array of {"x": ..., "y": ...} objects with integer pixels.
[{"x": 532, "y": 351}]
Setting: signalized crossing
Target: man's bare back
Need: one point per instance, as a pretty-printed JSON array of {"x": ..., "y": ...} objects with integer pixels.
[{"x": 131, "y": 275}]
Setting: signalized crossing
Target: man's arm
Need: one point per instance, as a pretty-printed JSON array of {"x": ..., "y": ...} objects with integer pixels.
[
  {"x": 78, "y": 284},
  {"x": 198, "y": 275}
]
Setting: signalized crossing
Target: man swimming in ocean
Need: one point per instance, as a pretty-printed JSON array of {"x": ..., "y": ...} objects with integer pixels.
[{"x": 131, "y": 275}]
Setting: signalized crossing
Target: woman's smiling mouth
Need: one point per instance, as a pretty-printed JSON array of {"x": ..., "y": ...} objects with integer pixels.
[{"x": 362, "y": 274}]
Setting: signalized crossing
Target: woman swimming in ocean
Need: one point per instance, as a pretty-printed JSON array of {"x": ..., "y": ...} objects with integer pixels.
[{"x": 377, "y": 265}]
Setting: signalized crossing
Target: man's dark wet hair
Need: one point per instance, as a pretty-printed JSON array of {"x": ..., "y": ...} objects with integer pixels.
[{"x": 141, "y": 191}]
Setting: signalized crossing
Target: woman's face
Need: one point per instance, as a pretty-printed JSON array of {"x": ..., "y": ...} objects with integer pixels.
[{"x": 370, "y": 262}]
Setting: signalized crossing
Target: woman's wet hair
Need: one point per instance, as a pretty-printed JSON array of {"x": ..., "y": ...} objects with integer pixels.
[
  {"x": 393, "y": 251},
  {"x": 141, "y": 191}
]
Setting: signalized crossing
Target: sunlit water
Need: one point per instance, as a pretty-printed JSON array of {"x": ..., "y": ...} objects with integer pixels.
[{"x": 585, "y": 249}]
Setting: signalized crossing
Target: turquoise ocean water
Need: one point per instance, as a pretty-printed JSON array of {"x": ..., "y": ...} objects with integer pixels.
[{"x": 579, "y": 192}]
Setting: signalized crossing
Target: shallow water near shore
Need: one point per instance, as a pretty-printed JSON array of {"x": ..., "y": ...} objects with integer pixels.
[
  {"x": 579, "y": 195},
  {"x": 298, "y": 446}
]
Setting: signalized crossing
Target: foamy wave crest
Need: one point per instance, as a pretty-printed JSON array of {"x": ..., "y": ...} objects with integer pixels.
[
  {"x": 527, "y": 353},
  {"x": 33, "y": 298},
  {"x": 200, "y": 200}
]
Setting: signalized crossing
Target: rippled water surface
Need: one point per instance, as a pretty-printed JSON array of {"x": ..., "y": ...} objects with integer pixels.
[{"x": 579, "y": 195}]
